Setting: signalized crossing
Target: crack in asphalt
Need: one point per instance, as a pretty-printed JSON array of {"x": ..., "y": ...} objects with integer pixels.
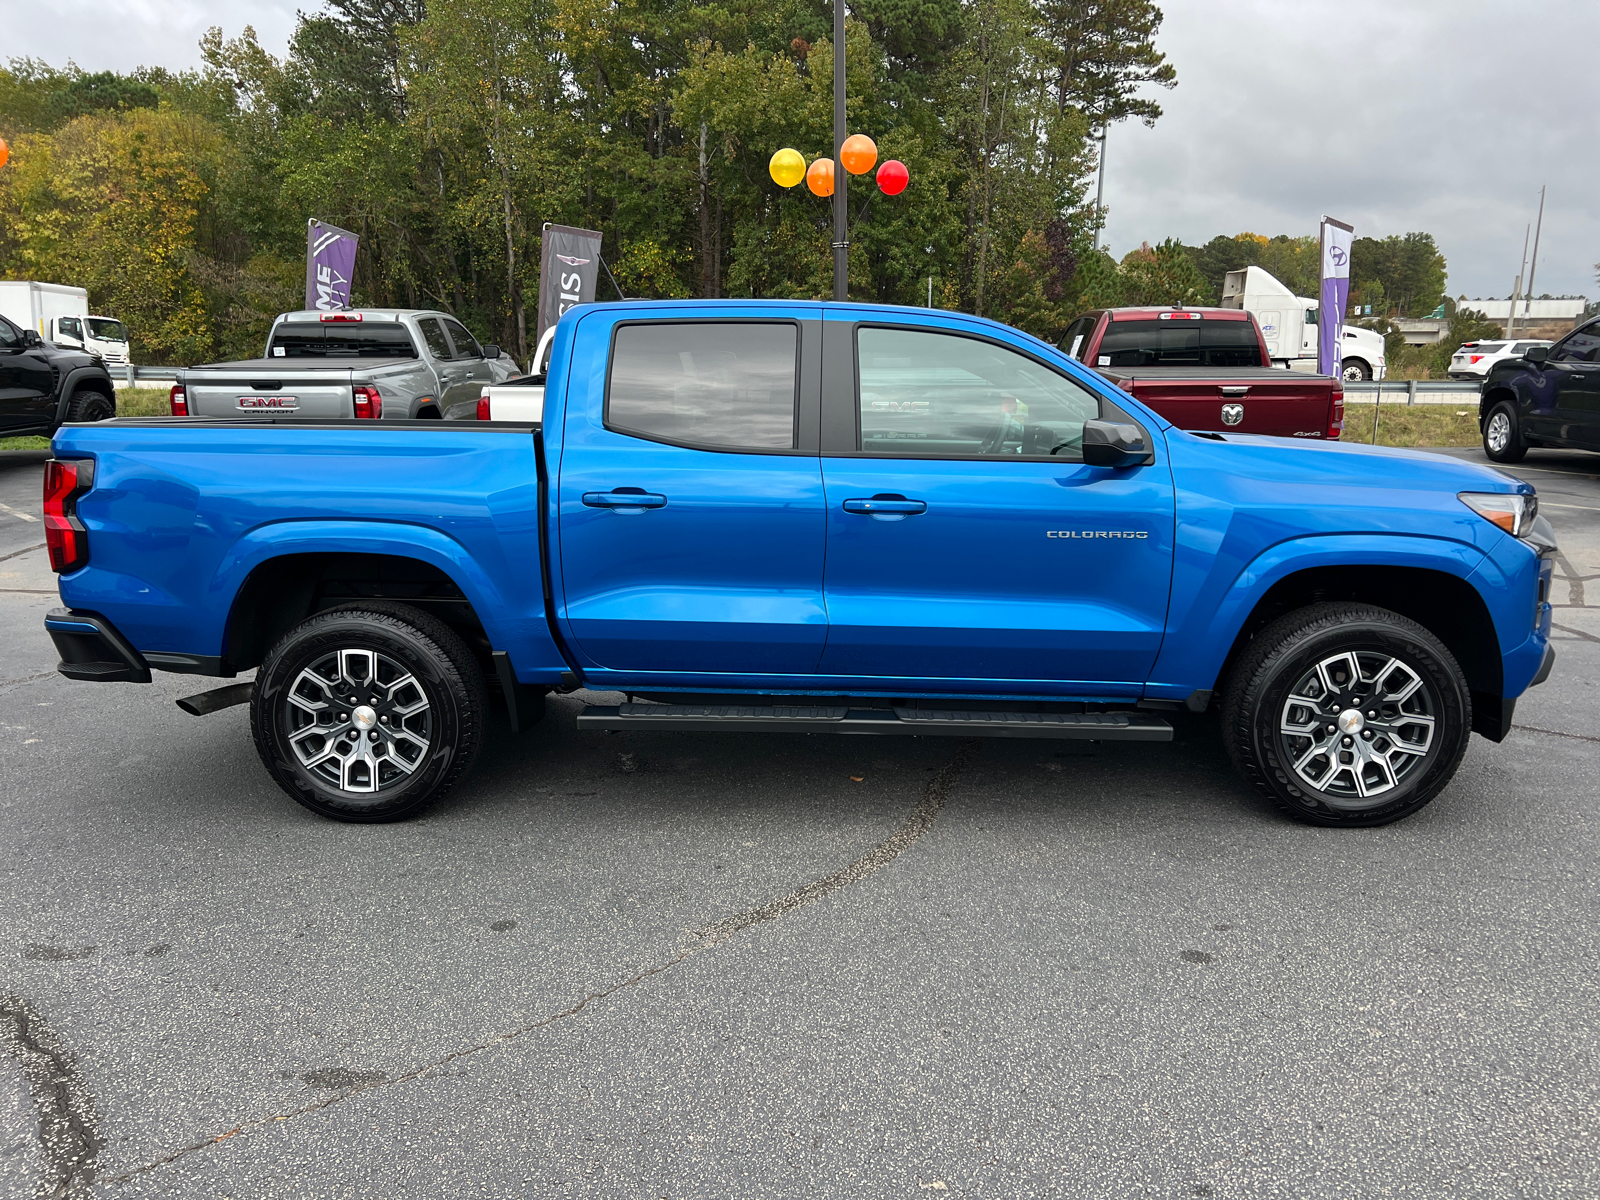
[
  {"x": 24, "y": 550},
  {"x": 1582, "y": 737},
  {"x": 68, "y": 1127},
  {"x": 708, "y": 937},
  {"x": 11, "y": 683},
  {"x": 1578, "y": 633}
]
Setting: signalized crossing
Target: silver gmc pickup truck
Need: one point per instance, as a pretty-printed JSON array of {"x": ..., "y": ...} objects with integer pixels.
[{"x": 365, "y": 363}]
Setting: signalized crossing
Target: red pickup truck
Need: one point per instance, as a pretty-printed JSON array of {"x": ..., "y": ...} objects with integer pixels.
[{"x": 1205, "y": 368}]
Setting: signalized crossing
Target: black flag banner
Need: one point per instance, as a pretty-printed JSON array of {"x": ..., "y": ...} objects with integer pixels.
[{"x": 569, "y": 269}]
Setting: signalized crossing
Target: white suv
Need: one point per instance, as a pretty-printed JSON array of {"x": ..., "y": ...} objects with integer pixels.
[{"x": 1474, "y": 359}]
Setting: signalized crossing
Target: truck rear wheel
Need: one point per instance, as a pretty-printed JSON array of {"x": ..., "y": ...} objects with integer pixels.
[
  {"x": 366, "y": 713},
  {"x": 1347, "y": 714},
  {"x": 86, "y": 405}
]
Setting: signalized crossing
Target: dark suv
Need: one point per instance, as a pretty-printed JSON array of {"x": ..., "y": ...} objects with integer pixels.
[
  {"x": 43, "y": 386},
  {"x": 1548, "y": 397}
]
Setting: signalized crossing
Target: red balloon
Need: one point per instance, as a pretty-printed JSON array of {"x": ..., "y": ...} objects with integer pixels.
[{"x": 893, "y": 177}]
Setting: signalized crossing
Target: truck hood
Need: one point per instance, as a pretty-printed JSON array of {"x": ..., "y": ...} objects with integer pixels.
[{"x": 1320, "y": 464}]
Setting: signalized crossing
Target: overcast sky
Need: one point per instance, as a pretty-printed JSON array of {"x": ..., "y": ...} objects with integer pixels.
[{"x": 1392, "y": 115}]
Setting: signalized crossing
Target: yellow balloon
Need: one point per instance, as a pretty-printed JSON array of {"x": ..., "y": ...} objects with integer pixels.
[
  {"x": 787, "y": 168},
  {"x": 858, "y": 154}
]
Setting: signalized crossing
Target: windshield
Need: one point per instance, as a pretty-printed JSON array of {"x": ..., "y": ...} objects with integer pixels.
[
  {"x": 107, "y": 330},
  {"x": 295, "y": 339},
  {"x": 1203, "y": 343}
]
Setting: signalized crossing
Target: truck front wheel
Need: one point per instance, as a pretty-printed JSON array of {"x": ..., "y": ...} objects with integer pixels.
[
  {"x": 1347, "y": 714},
  {"x": 1502, "y": 435},
  {"x": 367, "y": 712}
]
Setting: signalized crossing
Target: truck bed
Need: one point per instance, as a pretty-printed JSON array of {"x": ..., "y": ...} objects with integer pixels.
[{"x": 1264, "y": 400}]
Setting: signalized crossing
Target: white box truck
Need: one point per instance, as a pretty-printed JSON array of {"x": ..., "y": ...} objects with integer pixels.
[
  {"x": 1289, "y": 323},
  {"x": 60, "y": 314}
]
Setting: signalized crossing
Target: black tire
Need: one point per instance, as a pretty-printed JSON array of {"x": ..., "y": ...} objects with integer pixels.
[
  {"x": 1502, "y": 434},
  {"x": 1406, "y": 763},
  {"x": 1355, "y": 370},
  {"x": 85, "y": 405},
  {"x": 424, "y": 734}
]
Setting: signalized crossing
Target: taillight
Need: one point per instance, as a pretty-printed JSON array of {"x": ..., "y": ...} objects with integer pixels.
[
  {"x": 179, "y": 400},
  {"x": 1336, "y": 412},
  {"x": 369, "y": 405},
  {"x": 1477, "y": 358},
  {"x": 483, "y": 406},
  {"x": 65, "y": 479}
]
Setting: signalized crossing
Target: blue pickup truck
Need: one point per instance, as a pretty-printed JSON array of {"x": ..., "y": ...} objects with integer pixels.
[{"x": 762, "y": 516}]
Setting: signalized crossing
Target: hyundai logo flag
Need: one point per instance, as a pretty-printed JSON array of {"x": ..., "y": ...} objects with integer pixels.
[
  {"x": 569, "y": 270},
  {"x": 1337, "y": 238},
  {"x": 330, "y": 263}
]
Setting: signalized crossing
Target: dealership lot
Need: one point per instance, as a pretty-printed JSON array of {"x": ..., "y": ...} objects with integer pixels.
[{"x": 695, "y": 964}]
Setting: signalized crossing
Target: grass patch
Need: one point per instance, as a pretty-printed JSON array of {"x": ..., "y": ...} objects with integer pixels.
[
  {"x": 1413, "y": 424},
  {"x": 143, "y": 402},
  {"x": 24, "y": 443}
]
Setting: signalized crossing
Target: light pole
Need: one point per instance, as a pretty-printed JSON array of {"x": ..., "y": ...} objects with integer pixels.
[
  {"x": 841, "y": 209},
  {"x": 1100, "y": 190}
]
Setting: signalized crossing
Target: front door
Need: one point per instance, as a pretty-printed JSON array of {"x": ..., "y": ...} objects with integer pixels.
[
  {"x": 967, "y": 540},
  {"x": 27, "y": 383},
  {"x": 1574, "y": 363},
  {"x": 691, "y": 507}
]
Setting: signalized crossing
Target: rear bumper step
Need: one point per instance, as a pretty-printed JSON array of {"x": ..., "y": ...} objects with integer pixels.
[
  {"x": 733, "y": 718},
  {"x": 91, "y": 648}
]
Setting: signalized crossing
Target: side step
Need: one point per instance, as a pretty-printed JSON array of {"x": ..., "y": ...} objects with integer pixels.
[{"x": 734, "y": 718}]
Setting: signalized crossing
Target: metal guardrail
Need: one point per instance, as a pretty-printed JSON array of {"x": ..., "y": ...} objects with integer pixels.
[
  {"x": 133, "y": 375},
  {"x": 1413, "y": 391}
]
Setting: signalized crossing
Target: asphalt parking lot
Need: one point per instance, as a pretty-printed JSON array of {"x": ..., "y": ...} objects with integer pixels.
[{"x": 653, "y": 965}]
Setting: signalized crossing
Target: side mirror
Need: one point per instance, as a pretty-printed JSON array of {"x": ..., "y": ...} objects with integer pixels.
[
  {"x": 1114, "y": 444},
  {"x": 1537, "y": 355},
  {"x": 490, "y": 350},
  {"x": 30, "y": 337}
]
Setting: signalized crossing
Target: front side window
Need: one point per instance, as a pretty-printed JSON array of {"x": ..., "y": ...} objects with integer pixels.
[
  {"x": 69, "y": 326},
  {"x": 107, "y": 330},
  {"x": 466, "y": 345},
  {"x": 1180, "y": 343},
  {"x": 705, "y": 383},
  {"x": 940, "y": 395},
  {"x": 10, "y": 337},
  {"x": 1581, "y": 346}
]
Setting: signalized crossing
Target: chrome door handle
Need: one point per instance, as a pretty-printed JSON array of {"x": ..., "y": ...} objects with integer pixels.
[{"x": 620, "y": 499}]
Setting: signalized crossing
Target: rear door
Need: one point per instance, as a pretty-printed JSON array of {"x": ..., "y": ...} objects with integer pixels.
[
  {"x": 968, "y": 543},
  {"x": 690, "y": 500},
  {"x": 471, "y": 367}
]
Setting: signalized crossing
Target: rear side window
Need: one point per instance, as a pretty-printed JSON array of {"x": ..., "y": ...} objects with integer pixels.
[
  {"x": 1524, "y": 347},
  {"x": 939, "y": 395},
  {"x": 433, "y": 334},
  {"x": 295, "y": 339},
  {"x": 1077, "y": 334},
  {"x": 712, "y": 383},
  {"x": 1203, "y": 343}
]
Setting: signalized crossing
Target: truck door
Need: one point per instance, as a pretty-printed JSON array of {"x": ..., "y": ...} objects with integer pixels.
[
  {"x": 690, "y": 500},
  {"x": 470, "y": 366},
  {"x": 27, "y": 384},
  {"x": 1574, "y": 366},
  {"x": 967, "y": 540}
]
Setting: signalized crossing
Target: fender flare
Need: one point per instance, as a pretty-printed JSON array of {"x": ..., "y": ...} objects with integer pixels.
[
  {"x": 1278, "y": 562},
  {"x": 70, "y": 383},
  {"x": 315, "y": 535}
]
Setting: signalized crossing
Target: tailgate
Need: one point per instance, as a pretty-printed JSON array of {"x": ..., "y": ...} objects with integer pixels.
[
  {"x": 248, "y": 389},
  {"x": 1286, "y": 405}
]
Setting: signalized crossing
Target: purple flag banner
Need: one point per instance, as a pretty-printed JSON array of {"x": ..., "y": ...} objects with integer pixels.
[
  {"x": 330, "y": 264},
  {"x": 1334, "y": 295}
]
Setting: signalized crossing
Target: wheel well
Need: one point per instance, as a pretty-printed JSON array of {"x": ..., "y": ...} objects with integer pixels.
[
  {"x": 429, "y": 412},
  {"x": 1446, "y": 605},
  {"x": 94, "y": 384},
  {"x": 282, "y": 592},
  {"x": 1489, "y": 399}
]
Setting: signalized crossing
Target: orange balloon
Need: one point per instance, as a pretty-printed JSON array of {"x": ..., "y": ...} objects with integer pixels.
[
  {"x": 858, "y": 154},
  {"x": 5, "y": 152},
  {"x": 819, "y": 177}
]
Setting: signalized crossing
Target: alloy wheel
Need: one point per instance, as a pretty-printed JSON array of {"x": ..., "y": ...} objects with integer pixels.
[
  {"x": 358, "y": 720},
  {"x": 1498, "y": 434}
]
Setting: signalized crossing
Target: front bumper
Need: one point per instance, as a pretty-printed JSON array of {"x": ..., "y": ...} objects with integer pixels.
[{"x": 91, "y": 649}]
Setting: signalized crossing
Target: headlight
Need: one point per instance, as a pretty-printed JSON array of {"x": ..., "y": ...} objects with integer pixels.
[{"x": 1512, "y": 512}]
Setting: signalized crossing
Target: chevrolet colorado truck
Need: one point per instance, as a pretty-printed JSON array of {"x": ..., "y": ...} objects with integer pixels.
[
  {"x": 1206, "y": 368},
  {"x": 354, "y": 364},
  {"x": 811, "y": 518}
]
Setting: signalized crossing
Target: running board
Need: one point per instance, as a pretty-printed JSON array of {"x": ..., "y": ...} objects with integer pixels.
[{"x": 733, "y": 718}]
